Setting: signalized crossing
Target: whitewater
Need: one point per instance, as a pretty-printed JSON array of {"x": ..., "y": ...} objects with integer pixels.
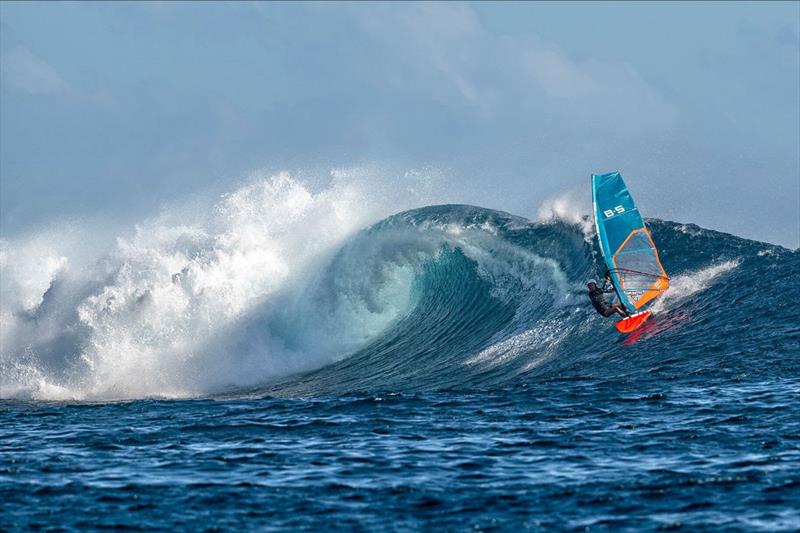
[{"x": 185, "y": 303}]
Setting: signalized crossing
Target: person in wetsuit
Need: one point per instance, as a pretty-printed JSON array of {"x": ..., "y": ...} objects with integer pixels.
[{"x": 599, "y": 302}]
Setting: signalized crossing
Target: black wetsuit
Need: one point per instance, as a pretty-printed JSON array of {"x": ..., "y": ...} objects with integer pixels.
[{"x": 599, "y": 301}]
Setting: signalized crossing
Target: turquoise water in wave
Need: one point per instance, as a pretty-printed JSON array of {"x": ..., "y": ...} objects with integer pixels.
[{"x": 453, "y": 377}]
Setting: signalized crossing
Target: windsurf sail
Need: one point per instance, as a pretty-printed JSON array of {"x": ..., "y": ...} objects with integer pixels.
[{"x": 628, "y": 248}]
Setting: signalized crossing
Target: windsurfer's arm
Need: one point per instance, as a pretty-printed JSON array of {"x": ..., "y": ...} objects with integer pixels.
[{"x": 608, "y": 281}]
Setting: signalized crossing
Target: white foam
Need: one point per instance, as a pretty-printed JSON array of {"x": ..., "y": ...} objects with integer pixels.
[
  {"x": 569, "y": 207},
  {"x": 543, "y": 339},
  {"x": 683, "y": 286},
  {"x": 183, "y": 305}
]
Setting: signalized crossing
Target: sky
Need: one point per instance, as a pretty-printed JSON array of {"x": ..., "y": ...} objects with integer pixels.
[{"x": 123, "y": 107}]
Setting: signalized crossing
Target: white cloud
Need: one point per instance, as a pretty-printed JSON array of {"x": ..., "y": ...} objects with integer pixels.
[{"x": 20, "y": 69}]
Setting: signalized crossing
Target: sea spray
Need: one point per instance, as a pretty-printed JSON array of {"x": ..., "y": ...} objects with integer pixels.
[{"x": 172, "y": 308}]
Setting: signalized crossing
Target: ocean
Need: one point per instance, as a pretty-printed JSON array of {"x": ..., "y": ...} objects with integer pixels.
[{"x": 440, "y": 370}]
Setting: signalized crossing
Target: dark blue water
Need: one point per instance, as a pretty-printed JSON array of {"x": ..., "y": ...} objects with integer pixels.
[{"x": 494, "y": 400}]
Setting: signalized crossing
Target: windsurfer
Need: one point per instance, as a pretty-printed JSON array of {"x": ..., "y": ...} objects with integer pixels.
[{"x": 599, "y": 302}]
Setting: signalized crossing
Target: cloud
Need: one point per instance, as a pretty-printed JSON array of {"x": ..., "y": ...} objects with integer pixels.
[
  {"x": 443, "y": 51},
  {"x": 20, "y": 69}
]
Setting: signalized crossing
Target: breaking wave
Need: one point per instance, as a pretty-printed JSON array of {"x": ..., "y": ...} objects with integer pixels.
[{"x": 278, "y": 290}]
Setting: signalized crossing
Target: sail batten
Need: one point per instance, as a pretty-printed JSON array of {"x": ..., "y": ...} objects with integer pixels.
[{"x": 628, "y": 248}]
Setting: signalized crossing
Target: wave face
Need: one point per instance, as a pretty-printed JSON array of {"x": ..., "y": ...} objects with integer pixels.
[
  {"x": 276, "y": 292},
  {"x": 496, "y": 299}
]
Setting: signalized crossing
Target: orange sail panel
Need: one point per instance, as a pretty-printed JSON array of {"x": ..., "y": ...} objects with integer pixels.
[{"x": 641, "y": 275}]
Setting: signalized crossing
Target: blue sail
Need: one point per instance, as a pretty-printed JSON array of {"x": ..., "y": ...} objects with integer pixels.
[{"x": 628, "y": 248}]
